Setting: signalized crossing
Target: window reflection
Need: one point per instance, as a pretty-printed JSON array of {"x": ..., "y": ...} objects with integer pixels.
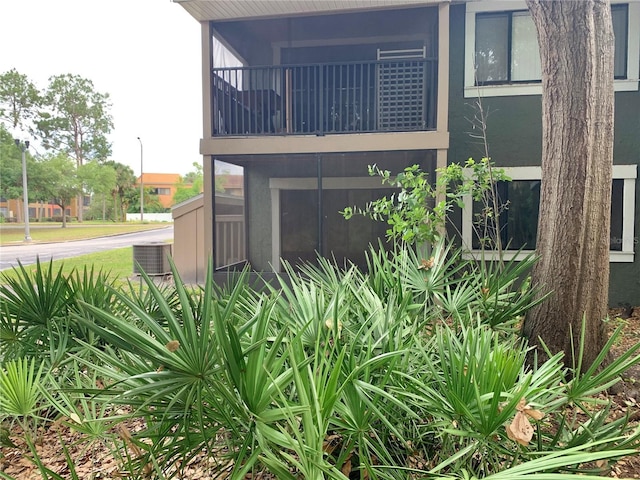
[
  {"x": 519, "y": 202},
  {"x": 229, "y": 210}
]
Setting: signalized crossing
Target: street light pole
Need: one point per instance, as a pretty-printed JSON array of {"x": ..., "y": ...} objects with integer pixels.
[
  {"x": 141, "y": 185},
  {"x": 23, "y": 146}
]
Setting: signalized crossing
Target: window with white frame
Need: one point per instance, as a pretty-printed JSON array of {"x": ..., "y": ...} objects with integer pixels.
[
  {"x": 519, "y": 218},
  {"x": 501, "y": 49}
]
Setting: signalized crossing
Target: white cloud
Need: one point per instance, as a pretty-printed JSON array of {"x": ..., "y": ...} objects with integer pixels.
[{"x": 144, "y": 53}]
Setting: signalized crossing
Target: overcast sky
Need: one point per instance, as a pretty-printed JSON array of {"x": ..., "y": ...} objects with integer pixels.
[{"x": 144, "y": 53}]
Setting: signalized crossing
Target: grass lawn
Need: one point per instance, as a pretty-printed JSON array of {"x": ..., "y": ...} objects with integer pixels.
[
  {"x": 52, "y": 232},
  {"x": 118, "y": 262}
]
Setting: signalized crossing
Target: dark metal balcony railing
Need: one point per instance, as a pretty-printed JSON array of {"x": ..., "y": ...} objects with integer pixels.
[{"x": 397, "y": 95}]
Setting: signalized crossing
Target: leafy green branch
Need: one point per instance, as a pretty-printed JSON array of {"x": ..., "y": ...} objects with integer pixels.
[{"x": 418, "y": 212}]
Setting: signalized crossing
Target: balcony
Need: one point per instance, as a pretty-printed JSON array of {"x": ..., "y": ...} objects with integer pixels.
[{"x": 394, "y": 94}]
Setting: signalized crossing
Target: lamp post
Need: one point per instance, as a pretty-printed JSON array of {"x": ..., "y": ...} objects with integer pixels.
[
  {"x": 23, "y": 146},
  {"x": 141, "y": 185}
]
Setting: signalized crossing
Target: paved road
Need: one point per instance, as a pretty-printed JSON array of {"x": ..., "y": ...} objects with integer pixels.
[{"x": 28, "y": 253}]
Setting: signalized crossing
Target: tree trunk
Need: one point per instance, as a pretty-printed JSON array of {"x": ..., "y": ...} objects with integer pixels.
[
  {"x": 64, "y": 216},
  {"x": 80, "y": 201},
  {"x": 77, "y": 147},
  {"x": 115, "y": 208},
  {"x": 576, "y": 49}
]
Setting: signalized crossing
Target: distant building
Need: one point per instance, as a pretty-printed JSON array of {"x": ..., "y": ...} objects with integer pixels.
[
  {"x": 12, "y": 210},
  {"x": 161, "y": 184}
]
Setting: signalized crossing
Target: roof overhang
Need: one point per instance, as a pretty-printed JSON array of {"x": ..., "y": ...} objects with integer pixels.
[{"x": 221, "y": 10}]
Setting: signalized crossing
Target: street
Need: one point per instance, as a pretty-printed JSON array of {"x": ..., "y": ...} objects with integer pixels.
[{"x": 28, "y": 253}]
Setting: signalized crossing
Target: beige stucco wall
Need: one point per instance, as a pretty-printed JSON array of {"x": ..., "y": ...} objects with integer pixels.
[{"x": 188, "y": 240}]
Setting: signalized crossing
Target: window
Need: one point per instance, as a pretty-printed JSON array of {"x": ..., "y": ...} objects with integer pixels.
[
  {"x": 160, "y": 191},
  {"x": 501, "y": 45},
  {"x": 520, "y": 220},
  {"x": 504, "y": 42},
  {"x": 620, "y": 15}
]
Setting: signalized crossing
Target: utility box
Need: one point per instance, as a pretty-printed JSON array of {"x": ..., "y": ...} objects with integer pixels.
[{"x": 152, "y": 257}]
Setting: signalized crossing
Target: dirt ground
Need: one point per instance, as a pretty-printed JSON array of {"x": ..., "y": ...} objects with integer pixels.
[
  {"x": 96, "y": 461},
  {"x": 626, "y": 394}
]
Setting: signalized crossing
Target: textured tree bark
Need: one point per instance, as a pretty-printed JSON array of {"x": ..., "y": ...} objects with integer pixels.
[{"x": 576, "y": 49}]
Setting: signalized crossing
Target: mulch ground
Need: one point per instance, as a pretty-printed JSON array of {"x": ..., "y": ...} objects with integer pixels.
[
  {"x": 96, "y": 460},
  {"x": 627, "y": 393}
]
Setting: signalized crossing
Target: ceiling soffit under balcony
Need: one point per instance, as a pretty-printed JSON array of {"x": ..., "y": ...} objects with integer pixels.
[
  {"x": 221, "y": 10},
  {"x": 349, "y": 28}
]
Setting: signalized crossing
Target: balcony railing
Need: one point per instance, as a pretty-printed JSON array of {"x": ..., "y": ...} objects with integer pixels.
[{"x": 378, "y": 96}]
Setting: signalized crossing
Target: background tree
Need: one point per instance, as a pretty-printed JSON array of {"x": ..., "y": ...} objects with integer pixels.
[
  {"x": 19, "y": 101},
  {"x": 121, "y": 192},
  {"x": 76, "y": 121},
  {"x": 11, "y": 173},
  {"x": 576, "y": 50},
  {"x": 40, "y": 183},
  {"x": 10, "y": 166},
  {"x": 64, "y": 184},
  {"x": 195, "y": 175},
  {"x": 190, "y": 185},
  {"x": 151, "y": 202},
  {"x": 99, "y": 180}
]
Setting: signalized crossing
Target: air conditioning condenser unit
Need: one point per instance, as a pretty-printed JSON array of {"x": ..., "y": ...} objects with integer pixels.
[{"x": 152, "y": 258}]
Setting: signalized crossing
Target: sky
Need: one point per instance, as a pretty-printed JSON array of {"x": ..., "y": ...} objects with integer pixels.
[{"x": 144, "y": 53}]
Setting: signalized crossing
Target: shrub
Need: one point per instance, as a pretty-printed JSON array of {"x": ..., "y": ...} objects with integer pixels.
[
  {"x": 408, "y": 371},
  {"x": 36, "y": 305},
  {"x": 331, "y": 375}
]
